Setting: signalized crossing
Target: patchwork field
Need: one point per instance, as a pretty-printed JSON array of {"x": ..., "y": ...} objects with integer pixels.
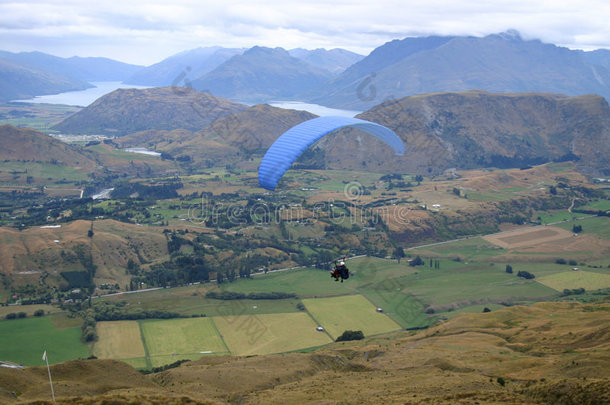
[
  {"x": 23, "y": 341},
  {"x": 119, "y": 340},
  {"x": 269, "y": 333},
  {"x": 576, "y": 279},
  {"x": 351, "y": 312},
  {"x": 176, "y": 339}
]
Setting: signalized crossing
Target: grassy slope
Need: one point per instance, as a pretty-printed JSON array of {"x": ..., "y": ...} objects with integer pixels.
[{"x": 544, "y": 353}]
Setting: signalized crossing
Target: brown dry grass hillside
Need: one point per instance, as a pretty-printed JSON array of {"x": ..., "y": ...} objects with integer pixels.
[
  {"x": 29, "y": 253},
  {"x": 163, "y": 108},
  {"x": 30, "y": 145},
  {"x": 228, "y": 140},
  {"x": 546, "y": 353},
  {"x": 480, "y": 129}
]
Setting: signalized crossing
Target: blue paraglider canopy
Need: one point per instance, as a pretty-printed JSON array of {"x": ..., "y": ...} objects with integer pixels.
[{"x": 292, "y": 143}]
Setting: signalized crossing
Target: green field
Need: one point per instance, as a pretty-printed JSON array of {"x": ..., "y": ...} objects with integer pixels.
[
  {"x": 576, "y": 279},
  {"x": 23, "y": 341},
  {"x": 176, "y": 339},
  {"x": 551, "y": 218},
  {"x": 472, "y": 283},
  {"x": 269, "y": 333},
  {"x": 44, "y": 171},
  {"x": 468, "y": 249},
  {"x": 599, "y": 226},
  {"x": 304, "y": 282},
  {"x": 190, "y": 300},
  {"x": 602, "y": 205},
  {"x": 404, "y": 309},
  {"x": 350, "y": 312},
  {"x": 318, "y": 283}
]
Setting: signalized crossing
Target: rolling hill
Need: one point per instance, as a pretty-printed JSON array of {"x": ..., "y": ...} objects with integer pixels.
[
  {"x": 163, "y": 108},
  {"x": 480, "y": 129},
  {"x": 496, "y": 63},
  {"x": 441, "y": 131},
  {"x": 24, "y": 144},
  {"x": 233, "y": 138}
]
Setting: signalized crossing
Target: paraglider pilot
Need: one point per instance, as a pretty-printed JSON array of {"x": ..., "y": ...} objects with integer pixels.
[{"x": 340, "y": 271}]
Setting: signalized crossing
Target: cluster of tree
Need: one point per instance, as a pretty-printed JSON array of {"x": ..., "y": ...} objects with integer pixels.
[
  {"x": 418, "y": 261},
  {"x": 525, "y": 274},
  {"x": 15, "y": 315},
  {"x": 230, "y": 295},
  {"x": 564, "y": 261},
  {"x": 21, "y": 315},
  {"x": 88, "y": 331},
  {"x": 350, "y": 335},
  {"x": 573, "y": 291},
  {"x": 165, "y": 367},
  {"x": 110, "y": 311}
]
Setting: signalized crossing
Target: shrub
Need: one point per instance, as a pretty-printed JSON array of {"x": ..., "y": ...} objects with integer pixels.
[
  {"x": 351, "y": 335},
  {"x": 39, "y": 312},
  {"x": 12, "y": 315}
]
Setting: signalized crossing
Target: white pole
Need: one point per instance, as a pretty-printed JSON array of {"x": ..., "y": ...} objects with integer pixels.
[{"x": 49, "y": 371}]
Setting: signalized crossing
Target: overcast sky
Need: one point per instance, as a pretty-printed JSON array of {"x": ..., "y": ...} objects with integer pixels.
[{"x": 147, "y": 31}]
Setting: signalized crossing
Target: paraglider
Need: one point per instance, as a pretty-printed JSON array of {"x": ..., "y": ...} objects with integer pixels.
[
  {"x": 340, "y": 271},
  {"x": 289, "y": 146}
]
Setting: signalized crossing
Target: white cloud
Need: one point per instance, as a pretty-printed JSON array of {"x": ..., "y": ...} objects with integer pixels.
[{"x": 147, "y": 31}]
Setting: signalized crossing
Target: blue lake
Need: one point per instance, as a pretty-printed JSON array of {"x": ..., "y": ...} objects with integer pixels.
[{"x": 85, "y": 97}]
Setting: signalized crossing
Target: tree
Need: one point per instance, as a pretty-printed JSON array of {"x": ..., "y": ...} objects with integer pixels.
[
  {"x": 399, "y": 253},
  {"x": 577, "y": 228},
  {"x": 419, "y": 178},
  {"x": 509, "y": 269},
  {"x": 553, "y": 190}
]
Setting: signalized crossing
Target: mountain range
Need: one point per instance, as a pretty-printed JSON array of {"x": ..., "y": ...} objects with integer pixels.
[
  {"x": 28, "y": 74},
  {"x": 503, "y": 63}
]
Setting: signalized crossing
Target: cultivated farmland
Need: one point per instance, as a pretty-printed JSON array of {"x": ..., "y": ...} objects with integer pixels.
[
  {"x": 576, "y": 279},
  {"x": 269, "y": 333},
  {"x": 176, "y": 339},
  {"x": 120, "y": 340},
  {"x": 351, "y": 312}
]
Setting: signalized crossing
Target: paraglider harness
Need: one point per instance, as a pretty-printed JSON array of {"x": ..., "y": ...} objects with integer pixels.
[{"x": 340, "y": 271}]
